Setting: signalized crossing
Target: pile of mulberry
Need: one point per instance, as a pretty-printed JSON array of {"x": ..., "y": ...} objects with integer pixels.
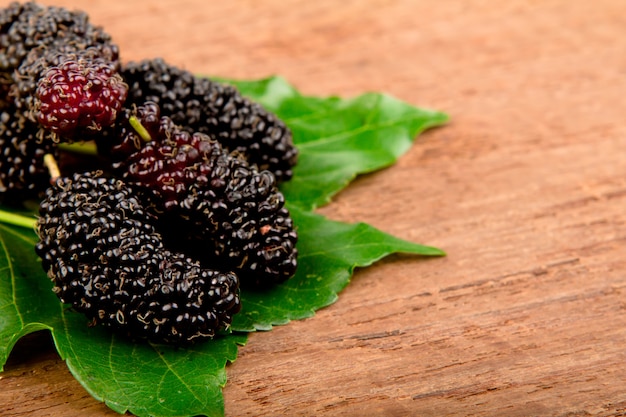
[
  {"x": 211, "y": 203},
  {"x": 109, "y": 262},
  {"x": 187, "y": 208},
  {"x": 199, "y": 104}
]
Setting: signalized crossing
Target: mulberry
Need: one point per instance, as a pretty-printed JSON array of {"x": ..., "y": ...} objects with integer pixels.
[
  {"x": 208, "y": 202},
  {"x": 28, "y": 26},
  {"x": 34, "y": 38},
  {"x": 15, "y": 39},
  {"x": 79, "y": 96},
  {"x": 23, "y": 173},
  {"x": 202, "y": 105},
  {"x": 109, "y": 262}
]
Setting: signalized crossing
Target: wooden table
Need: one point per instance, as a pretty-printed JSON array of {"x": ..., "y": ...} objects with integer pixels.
[{"x": 525, "y": 189}]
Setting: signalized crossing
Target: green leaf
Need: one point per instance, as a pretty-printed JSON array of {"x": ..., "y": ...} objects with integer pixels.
[
  {"x": 27, "y": 303},
  {"x": 329, "y": 252},
  {"x": 147, "y": 379},
  {"x": 339, "y": 138}
]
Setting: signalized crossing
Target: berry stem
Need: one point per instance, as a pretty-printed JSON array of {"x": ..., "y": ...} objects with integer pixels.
[
  {"x": 53, "y": 167},
  {"x": 17, "y": 219},
  {"x": 83, "y": 148},
  {"x": 141, "y": 131}
]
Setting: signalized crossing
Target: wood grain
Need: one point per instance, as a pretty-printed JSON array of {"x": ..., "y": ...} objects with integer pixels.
[{"x": 524, "y": 189}]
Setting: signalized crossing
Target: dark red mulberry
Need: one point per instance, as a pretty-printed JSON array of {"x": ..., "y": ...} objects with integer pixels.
[
  {"x": 108, "y": 261},
  {"x": 79, "y": 96}
]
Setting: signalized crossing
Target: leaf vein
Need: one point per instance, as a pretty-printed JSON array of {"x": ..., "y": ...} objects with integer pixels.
[
  {"x": 113, "y": 373},
  {"x": 354, "y": 131},
  {"x": 183, "y": 382},
  {"x": 349, "y": 246},
  {"x": 11, "y": 269},
  {"x": 18, "y": 235},
  {"x": 304, "y": 116}
]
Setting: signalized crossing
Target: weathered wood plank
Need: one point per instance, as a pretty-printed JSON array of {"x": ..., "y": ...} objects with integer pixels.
[{"x": 524, "y": 189}]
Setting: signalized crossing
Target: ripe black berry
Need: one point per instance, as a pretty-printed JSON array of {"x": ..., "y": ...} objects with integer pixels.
[
  {"x": 202, "y": 105},
  {"x": 27, "y": 26},
  {"x": 108, "y": 261}
]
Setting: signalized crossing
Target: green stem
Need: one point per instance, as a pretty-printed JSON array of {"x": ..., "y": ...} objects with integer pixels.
[
  {"x": 139, "y": 128},
  {"x": 84, "y": 148},
  {"x": 17, "y": 220}
]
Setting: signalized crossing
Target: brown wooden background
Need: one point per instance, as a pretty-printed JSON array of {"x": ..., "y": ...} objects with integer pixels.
[{"x": 525, "y": 189}]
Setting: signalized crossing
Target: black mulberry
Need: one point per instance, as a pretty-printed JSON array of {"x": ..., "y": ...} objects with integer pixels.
[
  {"x": 208, "y": 202},
  {"x": 28, "y": 26},
  {"x": 109, "y": 262},
  {"x": 16, "y": 38},
  {"x": 202, "y": 105},
  {"x": 23, "y": 173}
]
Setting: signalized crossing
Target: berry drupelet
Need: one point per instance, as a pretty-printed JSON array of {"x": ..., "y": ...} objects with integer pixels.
[
  {"x": 202, "y": 105},
  {"x": 108, "y": 261},
  {"x": 209, "y": 203}
]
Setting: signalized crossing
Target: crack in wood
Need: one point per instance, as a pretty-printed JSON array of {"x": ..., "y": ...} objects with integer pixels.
[
  {"x": 540, "y": 270},
  {"x": 367, "y": 336}
]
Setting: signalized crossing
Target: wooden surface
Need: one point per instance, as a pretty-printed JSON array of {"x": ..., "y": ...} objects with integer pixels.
[{"x": 525, "y": 189}]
